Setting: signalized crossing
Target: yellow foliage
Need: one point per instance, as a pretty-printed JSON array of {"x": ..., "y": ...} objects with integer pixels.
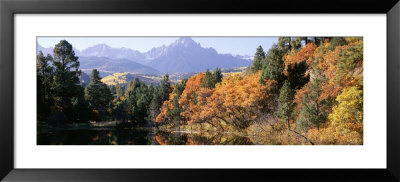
[{"x": 346, "y": 119}]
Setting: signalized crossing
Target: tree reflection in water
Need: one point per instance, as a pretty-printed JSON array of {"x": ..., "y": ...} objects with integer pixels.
[
  {"x": 137, "y": 137},
  {"x": 177, "y": 138}
]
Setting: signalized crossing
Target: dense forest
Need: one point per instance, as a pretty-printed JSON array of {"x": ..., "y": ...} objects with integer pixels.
[
  {"x": 302, "y": 90},
  {"x": 63, "y": 99}
]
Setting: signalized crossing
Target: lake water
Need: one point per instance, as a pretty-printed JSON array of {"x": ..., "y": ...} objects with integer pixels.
[{"x": 147, "y": 136}]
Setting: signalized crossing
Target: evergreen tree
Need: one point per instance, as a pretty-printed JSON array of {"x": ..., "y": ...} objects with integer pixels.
[
  {"x": 66, "y": 77},
  {"x": 348, "y": 61},
  {"x": 180, "y": 86},
  {"x": 175, "y": 113},
  {"x": 139, "y": 100},
  {"x": 194, "y": 95},
  {"x": 44, "y": 80},
  {"x": 121, "y": 111},
  {"x": 285, "y": 103},
  {"x": 313, "y": 112},
  {"x": 150, "y": 92},
  {"x": 95, "y": 77},
  {"x": 217, "y": 76},
  {"x": 151, "y": 89},
  {"x": 156, "y": 103},
  {"x": 211, "y": 78},
  {"x": 296, "y": 43},
  {"x": 274, "y": 68},
  {"x": 318, "y": 40},
  {"x": 259, "y": 57},
  {"x": 132, "y": 85},
  {"x": 336, "y": 41},
  {"x": 207, "y": 80},
  {"x": 98, "y": 95},
  {"x": 160, "y": 94},
  {"x": 81, "y": 107},
  {"x": 165, "y": 88},
  {"x": 113, "y": 89},
  {"x": 284, "y": 44},
  {"x": 119, "y": 91}
]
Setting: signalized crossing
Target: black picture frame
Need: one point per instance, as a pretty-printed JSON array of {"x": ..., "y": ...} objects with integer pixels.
[{"x": 8, "y": 8}]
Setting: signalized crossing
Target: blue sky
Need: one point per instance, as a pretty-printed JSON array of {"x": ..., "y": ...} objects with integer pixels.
[{"x": 232, "y": 45}]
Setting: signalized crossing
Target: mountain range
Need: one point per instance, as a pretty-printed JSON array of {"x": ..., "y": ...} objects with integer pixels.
[
  {"x": 107, "y": 66},
  {"x": 182, "y": 56}
]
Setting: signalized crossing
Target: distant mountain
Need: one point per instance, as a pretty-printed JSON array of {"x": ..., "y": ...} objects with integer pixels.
[
  {"x": 182, "y": 56},
  {"x": 50, "y": 50},
  {"x": 45, "y": 51},
  {"x": 103, "y": 50},
  {"x": 185, "y": 55},
  {"x": 107, "y": 66}
]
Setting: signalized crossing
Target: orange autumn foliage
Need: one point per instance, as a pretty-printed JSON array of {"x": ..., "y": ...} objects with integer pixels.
[
  {"x": 193, "y": 97},
  {"x": 305, "y": 54},
  {"x": 167, "y": 106},
  {"x": 236, "y": 101},
  {"x": 160, "y": 140},
  {"x": 239, "y": 103},
  {"x": 193, "y": 93},
  {"x": 298, "y": 98},
  {"x": 328, "y": 64}
]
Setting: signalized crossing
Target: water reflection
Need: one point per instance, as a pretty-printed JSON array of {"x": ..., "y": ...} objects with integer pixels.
[
  {"x": 178, "y": 138},
  {"x": 136, "y": 137}
]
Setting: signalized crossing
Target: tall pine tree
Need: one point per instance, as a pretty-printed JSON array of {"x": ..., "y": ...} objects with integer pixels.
[
  {"x": 98, "y": 95},
  {"x": 285, "y": 104},
  {"x": 44, "y": 82},
  {"x": 258, "y": 61},
  {"x": 314, "y": 111},
  {"x": 66, "y": 84},
  {"x": 275, "y": 66},
  {"x": 165, "y": 88},
  {"x": 119, "y": 91},
  {"x": 160, "y": 94}
]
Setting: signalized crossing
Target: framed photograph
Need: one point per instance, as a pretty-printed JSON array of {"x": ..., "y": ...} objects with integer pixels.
[{"x": 155, "y": 91}]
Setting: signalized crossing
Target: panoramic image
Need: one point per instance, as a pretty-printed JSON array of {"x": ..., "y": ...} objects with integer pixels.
[{"x": 199, "y": 90}]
